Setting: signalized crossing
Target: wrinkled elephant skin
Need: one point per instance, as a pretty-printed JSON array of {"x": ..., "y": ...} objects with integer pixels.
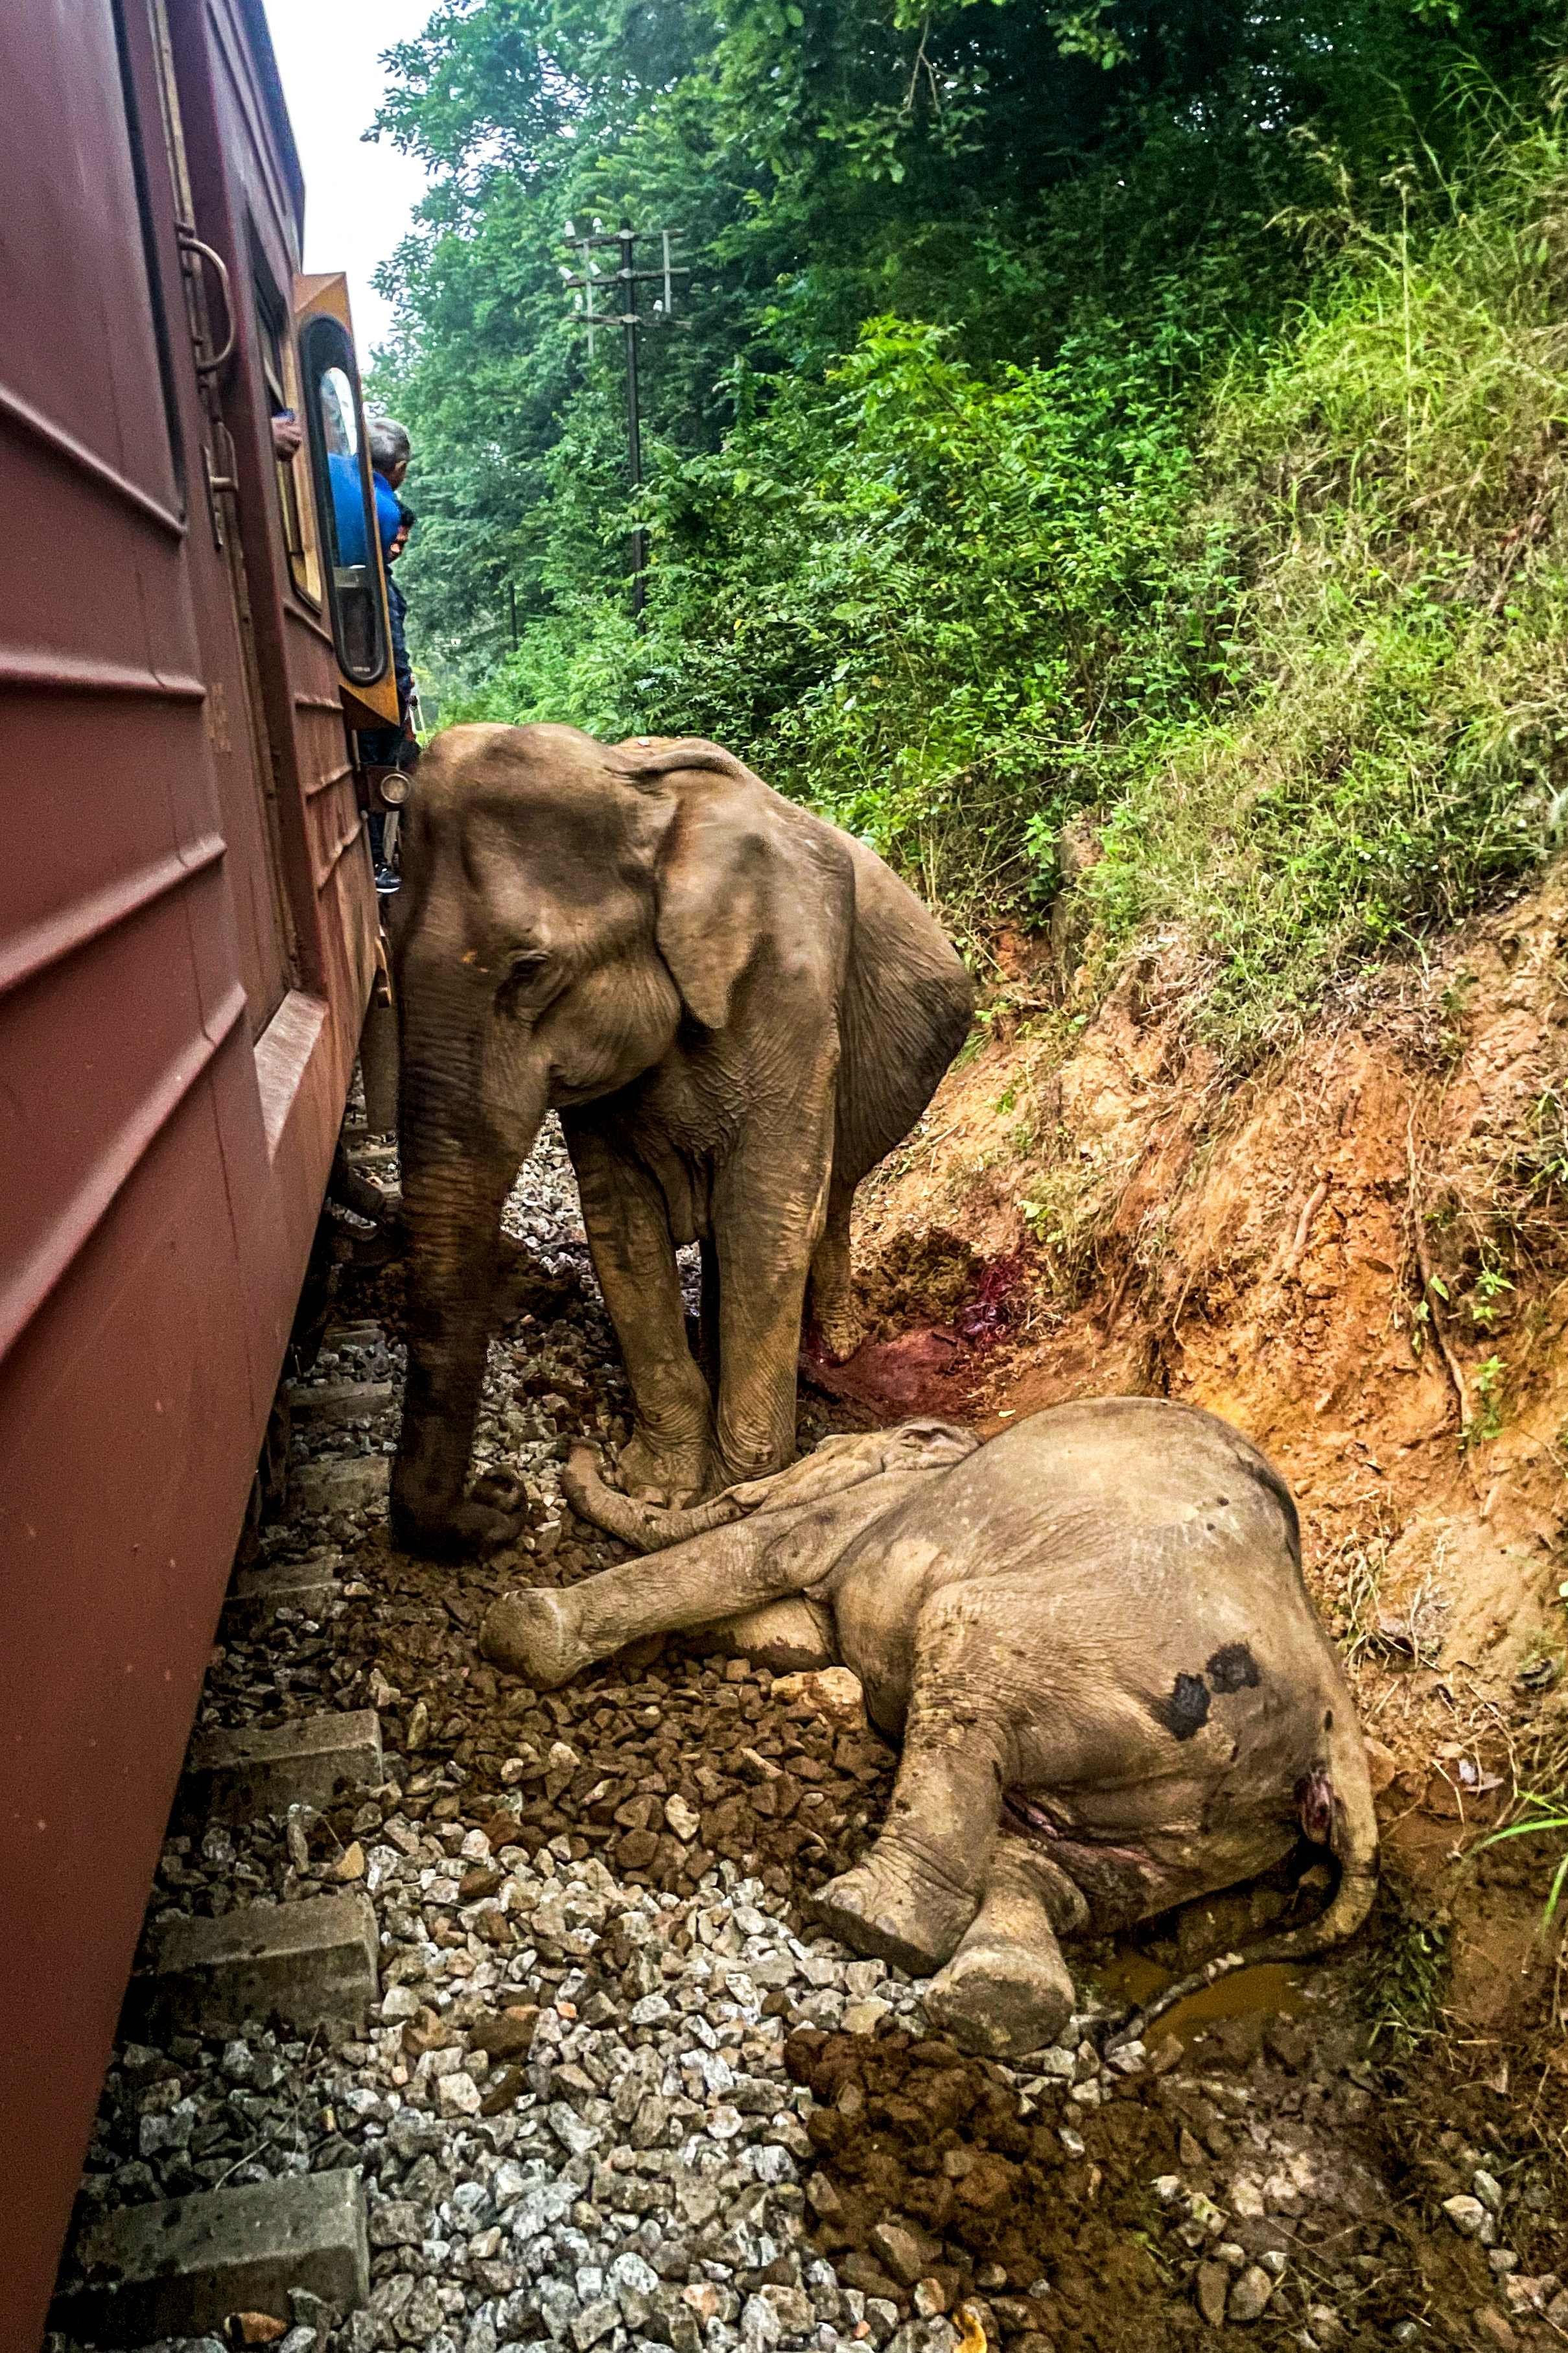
[
  {"x": 1093, "y": 1637},
  {"x": 737, "y": 1010}
]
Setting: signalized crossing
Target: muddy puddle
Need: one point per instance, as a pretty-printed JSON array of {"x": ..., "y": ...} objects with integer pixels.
[{"x": 1270, "y": 1989}]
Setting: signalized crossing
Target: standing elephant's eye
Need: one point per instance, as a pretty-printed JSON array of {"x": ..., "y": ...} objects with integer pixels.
[{"x": 520, "y": 980}]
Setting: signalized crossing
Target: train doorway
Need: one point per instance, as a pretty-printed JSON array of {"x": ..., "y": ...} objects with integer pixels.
[{"x": 243, "y": 754}]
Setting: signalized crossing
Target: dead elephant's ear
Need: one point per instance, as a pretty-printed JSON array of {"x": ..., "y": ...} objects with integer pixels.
[{"x": 714, "y": 871}]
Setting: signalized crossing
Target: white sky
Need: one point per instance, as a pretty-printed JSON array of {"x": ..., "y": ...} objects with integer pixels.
[{"x": 358, "y": 199}]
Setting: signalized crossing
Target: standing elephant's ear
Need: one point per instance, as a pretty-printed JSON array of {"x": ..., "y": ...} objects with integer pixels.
[{"x": 714, "y": 870}]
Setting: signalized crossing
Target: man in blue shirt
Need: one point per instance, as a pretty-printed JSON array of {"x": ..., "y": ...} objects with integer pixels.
[{"x": 389, "y": 453}]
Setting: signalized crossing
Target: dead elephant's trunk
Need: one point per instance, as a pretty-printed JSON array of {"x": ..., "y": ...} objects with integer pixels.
[{"x": 642, "y": 1525}]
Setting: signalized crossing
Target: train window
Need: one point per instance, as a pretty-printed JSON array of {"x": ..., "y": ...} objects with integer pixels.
[
  {"x": 345, "y": 505},
  {"x": 281, "y": 375}
]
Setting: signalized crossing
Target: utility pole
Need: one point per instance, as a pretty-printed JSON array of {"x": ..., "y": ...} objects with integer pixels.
[{"x": 620, "y": 284}]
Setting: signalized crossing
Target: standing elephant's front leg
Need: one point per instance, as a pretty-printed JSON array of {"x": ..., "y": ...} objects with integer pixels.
[
  {"x": 670, "y": 1456},
  {"x": 769, "y": 1204}
]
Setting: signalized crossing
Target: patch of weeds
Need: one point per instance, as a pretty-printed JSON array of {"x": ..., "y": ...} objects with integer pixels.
[
  {"x": 1358, "y": 1627},
  {"x": 1488, "y": 1298},
  {"x": 1062, "y": 1211},
  {"x": 997, "y": 1015},
  {"x": 1452, "y": 1008},
  {"x": 1486, "y": 1422},
  {"x": 1405, "y": 1975},
  {"x": 1549, "y": 1156},
  {"x": 1538, "y": 1814}
]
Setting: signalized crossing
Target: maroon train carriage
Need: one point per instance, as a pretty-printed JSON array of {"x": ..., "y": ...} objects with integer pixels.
[{"x": 187, "y": 943}]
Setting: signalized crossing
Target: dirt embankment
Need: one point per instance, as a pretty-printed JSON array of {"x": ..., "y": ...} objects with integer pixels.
[{"x": 1358, "y": 1255}]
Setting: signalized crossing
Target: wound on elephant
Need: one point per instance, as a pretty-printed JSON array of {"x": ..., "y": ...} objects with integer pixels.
[
  {"x": 1233, "y": 1668},
  {"x": 1186, "y": 1711}
]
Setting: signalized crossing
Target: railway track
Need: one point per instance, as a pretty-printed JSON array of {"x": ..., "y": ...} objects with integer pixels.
[
  {"x": 466, "y": 2020},
  {"x": 340, "y": 1928}
]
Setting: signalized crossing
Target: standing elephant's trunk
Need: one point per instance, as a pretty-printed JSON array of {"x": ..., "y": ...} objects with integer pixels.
[{"x": 465, "y": 1130}]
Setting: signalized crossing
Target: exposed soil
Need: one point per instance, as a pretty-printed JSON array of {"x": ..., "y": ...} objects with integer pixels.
[
  {"x": 1369, "y": 2154},
  {"x": 1320, "y": 2152},
  {"x": 922, "y": 2145},
  {"x": 1357, "y": 1254}
]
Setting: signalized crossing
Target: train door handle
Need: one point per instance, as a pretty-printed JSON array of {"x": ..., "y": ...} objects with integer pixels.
[{"x": 190, "y": 243}]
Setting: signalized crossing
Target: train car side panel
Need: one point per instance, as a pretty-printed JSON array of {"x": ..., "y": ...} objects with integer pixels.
[
  {"x": 127, "y": 1415},
  {"x": 186, "y": 942},
  {"x": 244, "y": 194}
]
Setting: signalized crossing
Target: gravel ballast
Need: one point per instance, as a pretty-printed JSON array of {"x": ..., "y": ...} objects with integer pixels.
[{"x": 616, "y": 2092}]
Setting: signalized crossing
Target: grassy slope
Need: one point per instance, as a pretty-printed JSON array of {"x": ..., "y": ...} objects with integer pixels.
[
  {"x": 1387, "y": 475},
  {"x": 1291, "y": 640}
]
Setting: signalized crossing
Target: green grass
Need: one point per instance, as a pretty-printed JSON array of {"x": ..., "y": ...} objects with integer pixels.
[
  {"x": 1538, "y": 1816},
  {"x": 1386, "y": 474},
  {"x": 1402, "y": 1981},
  {"x": 1291, "y": 623}
]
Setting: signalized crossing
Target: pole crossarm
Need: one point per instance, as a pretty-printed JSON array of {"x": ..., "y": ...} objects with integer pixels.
[{"x": 623, "y": 284}]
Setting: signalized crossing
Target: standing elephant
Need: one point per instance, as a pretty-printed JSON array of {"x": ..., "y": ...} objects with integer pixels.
[
  {"x": 1093, "y": 1637},
  {"x": 737, "y": 1009}
]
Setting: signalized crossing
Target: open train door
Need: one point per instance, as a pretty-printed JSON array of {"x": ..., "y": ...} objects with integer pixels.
[
  {"x": 353, "y": 570},
  {"x": 356, "y": 581}
]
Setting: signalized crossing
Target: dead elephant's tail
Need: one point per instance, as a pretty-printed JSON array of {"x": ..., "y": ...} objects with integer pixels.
[{"x": 1336, "y": 1811}]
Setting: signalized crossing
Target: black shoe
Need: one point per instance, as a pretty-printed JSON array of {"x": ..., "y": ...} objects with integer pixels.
[{"x": 386, "y": 882}]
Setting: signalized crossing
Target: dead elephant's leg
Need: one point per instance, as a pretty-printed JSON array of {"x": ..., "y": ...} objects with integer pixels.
[
  {"x": 912, "y": 1897},
  {"x": 1007, "y": 1990},
  {"x": 550, "y": 1636}
]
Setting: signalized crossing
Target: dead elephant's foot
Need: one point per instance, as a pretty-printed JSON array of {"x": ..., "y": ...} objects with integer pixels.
[
  {"x": 896, "y": 1909},
  {"x": 1007, "y": 1990},
  {"x": 530, "y": 1633},
  {"x": 999, "y": 1998}
]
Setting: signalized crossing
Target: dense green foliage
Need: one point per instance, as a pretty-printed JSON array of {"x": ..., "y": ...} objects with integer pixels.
[{"x": 1150, "y": 412}]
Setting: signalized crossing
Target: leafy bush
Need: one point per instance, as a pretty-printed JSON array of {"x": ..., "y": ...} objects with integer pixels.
[
  {"x": 1386, "y": 474},
  {"x": 1252, "y": 554},
  {"x": 931, "y": 603}
]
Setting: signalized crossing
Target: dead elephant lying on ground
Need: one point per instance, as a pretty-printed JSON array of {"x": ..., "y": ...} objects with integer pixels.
[{"x": 1091, "y": 1634}]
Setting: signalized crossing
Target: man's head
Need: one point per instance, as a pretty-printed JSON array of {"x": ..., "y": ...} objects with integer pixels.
[
  {"x": 389, "y": 448},
  {"x": 406, "y": 521}
]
